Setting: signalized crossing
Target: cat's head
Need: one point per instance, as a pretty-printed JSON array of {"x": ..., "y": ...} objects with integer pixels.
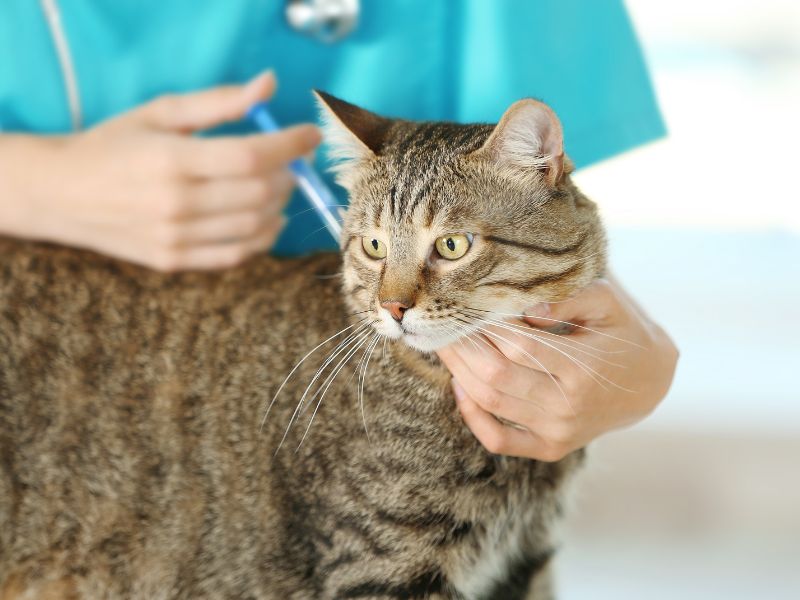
[{"x": 449, "y": 223}]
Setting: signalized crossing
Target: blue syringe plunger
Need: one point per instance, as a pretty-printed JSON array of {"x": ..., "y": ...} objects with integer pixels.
[{"x": 309, "y": 182}]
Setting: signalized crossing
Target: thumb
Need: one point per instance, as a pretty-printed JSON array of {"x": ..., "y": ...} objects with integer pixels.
[
  {"x": 591, "y": 303},
  {"x": 208, "y": 108}
]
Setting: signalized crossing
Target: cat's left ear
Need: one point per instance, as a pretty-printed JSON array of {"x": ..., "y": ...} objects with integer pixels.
[
  {"x": 528, "y": 136},
  {"x": 352, "y": 132}
]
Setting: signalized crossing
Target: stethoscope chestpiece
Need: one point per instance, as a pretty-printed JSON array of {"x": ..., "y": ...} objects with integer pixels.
[{"x": 326, "y": 20}]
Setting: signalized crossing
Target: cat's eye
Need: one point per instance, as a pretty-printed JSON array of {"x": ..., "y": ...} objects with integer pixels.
[
  {"x": 373, "y": 247},
  {"x": 453, "y": 246}
]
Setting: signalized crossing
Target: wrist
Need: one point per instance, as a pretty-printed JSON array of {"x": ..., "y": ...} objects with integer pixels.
[{"x": 29, "y": 186}]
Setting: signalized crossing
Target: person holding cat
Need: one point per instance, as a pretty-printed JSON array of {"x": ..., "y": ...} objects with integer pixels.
[{"x": 97, "y": 151}]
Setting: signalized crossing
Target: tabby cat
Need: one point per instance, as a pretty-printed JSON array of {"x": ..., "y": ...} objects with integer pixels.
[{"x": 142, "y": 454}]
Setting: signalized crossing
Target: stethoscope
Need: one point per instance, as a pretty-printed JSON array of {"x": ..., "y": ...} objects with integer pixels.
[{"x": 324, "y": 20}]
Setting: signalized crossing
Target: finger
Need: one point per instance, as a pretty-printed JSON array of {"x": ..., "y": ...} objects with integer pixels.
[
  {"x": 493, "y": 376},
  {"x": 247, "y": 155},
  {"x": 215, "y": 196},
  {"x": 523, "y": 410},
  {"x": 220, "y": 256},
  {"x": 492, "y": 434},
  {"x": 591, "y": 304},
  {"x": 220, "y": 228},
  {"x": 207, "y": 108},
  {"x": 522, "y": 346}
]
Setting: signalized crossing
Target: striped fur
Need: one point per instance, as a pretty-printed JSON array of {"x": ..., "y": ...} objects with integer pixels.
[{"x": 132, "y": 461}]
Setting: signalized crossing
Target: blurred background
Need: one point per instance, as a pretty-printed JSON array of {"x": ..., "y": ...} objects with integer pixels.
[{"x": 702, "y": 500}]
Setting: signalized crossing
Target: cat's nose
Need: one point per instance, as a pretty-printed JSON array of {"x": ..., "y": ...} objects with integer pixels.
[{"x": 396, "y": 308}]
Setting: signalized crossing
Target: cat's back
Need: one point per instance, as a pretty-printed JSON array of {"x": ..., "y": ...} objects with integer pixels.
[
  {"x": 76, "y": 325},
  {"x": 125, "y": 395}
]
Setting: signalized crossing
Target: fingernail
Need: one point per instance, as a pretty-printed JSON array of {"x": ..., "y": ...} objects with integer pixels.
[
  {"x": 312, "y": 136},
  {"x": 258, "y": 80},
  {"x": 538, "y": 310},
  {"x": 458, "y": 391}
]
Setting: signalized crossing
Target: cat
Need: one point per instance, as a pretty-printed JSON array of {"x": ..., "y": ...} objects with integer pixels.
[{"x": 152, "y": 445}]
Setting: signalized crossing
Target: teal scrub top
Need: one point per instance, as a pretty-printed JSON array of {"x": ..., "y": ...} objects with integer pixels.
[{"x": 464, "y": 60}]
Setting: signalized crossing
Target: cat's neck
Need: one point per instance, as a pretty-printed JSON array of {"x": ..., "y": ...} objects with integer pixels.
[{"x": 425, "y": 365}]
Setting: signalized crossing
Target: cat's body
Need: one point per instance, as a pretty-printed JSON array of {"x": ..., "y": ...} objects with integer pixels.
[{"x": 133, "y": 463}]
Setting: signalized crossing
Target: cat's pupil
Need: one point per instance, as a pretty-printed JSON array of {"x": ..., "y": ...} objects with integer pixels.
[
  {"x": 375, "y": 244},
  {"x": 451, "y": 245}
]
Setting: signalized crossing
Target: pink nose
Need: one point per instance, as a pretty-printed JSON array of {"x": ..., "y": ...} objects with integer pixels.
[{"x": 397, "y": 309}]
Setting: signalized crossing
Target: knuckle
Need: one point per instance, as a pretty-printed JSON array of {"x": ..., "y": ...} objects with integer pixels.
[
  {"x": 521, "y": 353},
  {"x": 169, "y": 235},
  {"x": 168, "y": 101},
  {"x": 562, "y": 433},
  {"x": 167, "y": 261},
  {"x": 263, "y": 189},
  {"x": 233, "y": 256},
  {"x": 165, "y": 106},
  {"x": 251, "y": 224},
  {"x": 169, "y": 161},
  {"x": 491, "y": 400},
  {"x": 605, "y": 291},
  {"x": 576, "y": 383},
  {"x": 493, "y": 441},
  {"x": 553, "y": 452},
  {"x": 246, "y": 160},
  {"x": 494, "y": 371},
  {"x": 174, "y": 203}
]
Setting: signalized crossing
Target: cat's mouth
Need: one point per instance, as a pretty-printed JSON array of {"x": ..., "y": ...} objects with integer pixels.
[{"x": 425, "y": 337}]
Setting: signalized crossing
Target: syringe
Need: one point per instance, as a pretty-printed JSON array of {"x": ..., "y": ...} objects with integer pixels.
[{"x": 309, "y": 182}]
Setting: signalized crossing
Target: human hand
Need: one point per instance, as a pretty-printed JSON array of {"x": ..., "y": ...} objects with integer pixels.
[
  {"x": 142, "y": 188},
  {"x": 609, "y": 370}
]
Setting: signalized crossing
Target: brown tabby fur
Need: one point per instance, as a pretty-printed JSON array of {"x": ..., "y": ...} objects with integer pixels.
[{"x": 132, "y": 464}]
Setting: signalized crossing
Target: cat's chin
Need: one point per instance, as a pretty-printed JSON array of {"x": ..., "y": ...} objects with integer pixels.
[{"x": 425, "y": 343}]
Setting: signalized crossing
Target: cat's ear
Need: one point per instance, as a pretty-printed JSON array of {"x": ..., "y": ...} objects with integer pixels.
[
  {"x": 528, "y": 136},
  {"x": 352, "y": 132}
]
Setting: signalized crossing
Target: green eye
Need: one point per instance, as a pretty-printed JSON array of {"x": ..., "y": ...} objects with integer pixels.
[
  {"x": 373, "y": 247},
  {"x": 453, "y": 246}
]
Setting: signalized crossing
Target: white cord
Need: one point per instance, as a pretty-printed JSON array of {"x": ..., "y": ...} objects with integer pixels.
[{"x": 50, "y": 8}]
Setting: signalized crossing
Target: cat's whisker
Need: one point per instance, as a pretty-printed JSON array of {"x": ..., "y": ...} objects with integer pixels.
[
  {"x": 297, "y": 366},
  {"x": 368, "y": 354},
  {"x": 317, "y": 393},
  {"x": 301, "y": 403},
  {"x": 359, "y": 335},
  {"x": 534, "y": 359},
  {"x": 480, "y": 338},
  {"x": 462, "y": 335},
  {"x": 323, "y": 228},
  {"x": 342, "y": 363},
  {"x": 597, "y": 377},
  {"x": 348, "y": 315},
  {"x": 522, "y": 316},
  {"x": 314, "y": 209},
  {"x": 340, "y": 348},
  {"x": 331, "y": 276},
  {"x": 533, "y": 334},
  {"x": 555, "y": 336}
]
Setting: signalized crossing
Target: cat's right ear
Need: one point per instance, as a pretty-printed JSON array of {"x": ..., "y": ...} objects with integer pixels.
[
  {"x": 528, "y": 137},
  {"x": 352, "y": 133}
]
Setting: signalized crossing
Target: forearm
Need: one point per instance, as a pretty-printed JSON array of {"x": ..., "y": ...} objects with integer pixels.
[{"x": 26, "y": 184}]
